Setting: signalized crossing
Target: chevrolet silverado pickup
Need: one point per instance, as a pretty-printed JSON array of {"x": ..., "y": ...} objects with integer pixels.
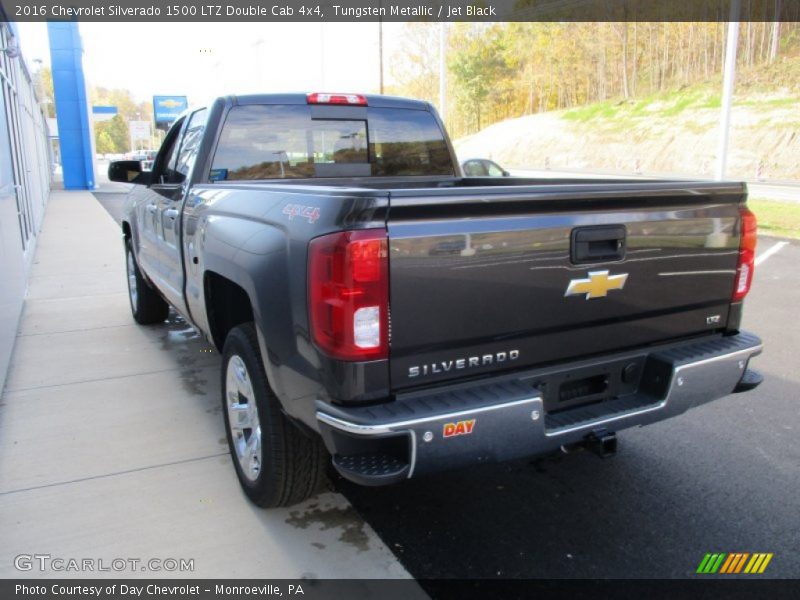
[{"x": 376, "y": 309}]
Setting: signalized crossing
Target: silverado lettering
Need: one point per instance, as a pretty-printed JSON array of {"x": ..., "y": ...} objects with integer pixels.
[{"x": 463, "y": 363}]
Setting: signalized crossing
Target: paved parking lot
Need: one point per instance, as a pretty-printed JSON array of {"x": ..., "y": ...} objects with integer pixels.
[{"x": 130, "y": 416}]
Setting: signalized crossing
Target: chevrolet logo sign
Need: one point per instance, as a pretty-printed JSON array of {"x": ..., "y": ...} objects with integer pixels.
[
  {"x": 597, "y": 285},
  {"x": 170, "y": 103}
]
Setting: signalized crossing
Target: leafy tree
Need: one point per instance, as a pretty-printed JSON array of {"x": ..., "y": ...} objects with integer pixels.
[
  {"x": 105, "y": 145},
  {"x": 112, "y": 135},
  {"x": 128, "y": 109},
  {"x": 415, "y": 67},
  {"x": 479, "y": 68}
]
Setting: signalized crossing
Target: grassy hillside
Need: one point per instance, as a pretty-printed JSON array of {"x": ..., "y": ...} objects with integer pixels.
[{"x": 671, "y": 132}]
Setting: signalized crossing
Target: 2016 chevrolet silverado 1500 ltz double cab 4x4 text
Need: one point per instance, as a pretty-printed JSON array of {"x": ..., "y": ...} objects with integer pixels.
[{"x": 375, "y": 308}]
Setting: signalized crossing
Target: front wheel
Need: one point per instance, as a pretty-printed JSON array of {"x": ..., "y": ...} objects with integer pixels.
[
  {"x": 277, "y": 465},
  {"x": 146, "y": 305}
]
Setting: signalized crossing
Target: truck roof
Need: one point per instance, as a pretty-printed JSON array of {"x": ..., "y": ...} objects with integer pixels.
[{"x": 374, "y": 100}]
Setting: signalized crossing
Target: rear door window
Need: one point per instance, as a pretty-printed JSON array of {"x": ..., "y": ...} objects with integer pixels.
[
  {"x": 167, "y": 158},
  {"x": 284, "y": 141}
]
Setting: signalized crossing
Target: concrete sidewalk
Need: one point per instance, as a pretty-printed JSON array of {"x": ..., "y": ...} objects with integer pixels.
[{"x": 112, "y": 442}]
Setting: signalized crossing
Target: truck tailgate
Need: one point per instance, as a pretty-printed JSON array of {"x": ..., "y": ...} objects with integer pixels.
[{"x": 486, "y": 279}]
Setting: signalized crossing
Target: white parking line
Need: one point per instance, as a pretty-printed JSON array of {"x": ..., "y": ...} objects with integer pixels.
[{"x": 769, "y": 252}]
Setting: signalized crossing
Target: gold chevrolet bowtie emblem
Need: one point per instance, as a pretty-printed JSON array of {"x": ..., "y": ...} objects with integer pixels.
[{"x": 597, "y": 285}]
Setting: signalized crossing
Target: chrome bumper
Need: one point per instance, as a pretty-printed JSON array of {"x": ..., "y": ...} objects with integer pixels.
[{"x": 506, "y": 417}]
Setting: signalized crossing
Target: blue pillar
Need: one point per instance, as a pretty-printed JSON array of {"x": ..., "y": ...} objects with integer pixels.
[{"x": 72, "y": 105}]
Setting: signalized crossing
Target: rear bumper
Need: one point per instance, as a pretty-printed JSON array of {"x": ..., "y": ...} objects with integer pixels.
[{"x": 506, "y": 417}]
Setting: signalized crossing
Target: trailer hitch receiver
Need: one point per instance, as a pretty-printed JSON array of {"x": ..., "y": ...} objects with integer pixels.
[{"x": 603, "y": 443}]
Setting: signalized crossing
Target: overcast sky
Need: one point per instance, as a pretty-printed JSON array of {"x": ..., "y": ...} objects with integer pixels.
[{"x": 204, "y": 60}]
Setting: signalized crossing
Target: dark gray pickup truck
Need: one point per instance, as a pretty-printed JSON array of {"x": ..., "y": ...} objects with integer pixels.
[{"x": 375, "y": 308}]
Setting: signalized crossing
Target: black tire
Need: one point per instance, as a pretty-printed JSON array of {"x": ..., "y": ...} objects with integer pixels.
[
  {"x": 291, "y": 465},
  {"x": 146, "y": 305}
]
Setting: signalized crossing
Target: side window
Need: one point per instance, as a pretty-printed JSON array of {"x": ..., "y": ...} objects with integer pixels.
[
  {"x": 494, "y": 170},
  {"x": 167, "y": 157},
  {"x": 190, "y": 144},
  {"x": 474, "y": 168},
  {"x": 170, "y": 174}
]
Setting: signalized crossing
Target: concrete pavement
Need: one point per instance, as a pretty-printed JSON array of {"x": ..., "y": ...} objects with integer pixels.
[{"x": 112, "y": 442}]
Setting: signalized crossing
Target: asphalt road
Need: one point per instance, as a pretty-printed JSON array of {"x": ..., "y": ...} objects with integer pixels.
[
  {"x": 722, "y": 478},
  {"x": 783, "y": 191}
]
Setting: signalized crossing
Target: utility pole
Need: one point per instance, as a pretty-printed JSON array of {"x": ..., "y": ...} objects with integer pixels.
[
  {"x": 322, "y": 54},
  {"x": 39, "y": 86},
  {"x": 442, "y": 68},
  {"x": 257, "y": 51},
  {"x": 727, "y": 89},
  {"x": 380, "y": 51}
]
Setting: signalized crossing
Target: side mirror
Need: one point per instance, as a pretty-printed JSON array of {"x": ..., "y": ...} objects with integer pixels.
[
  {"x": 506, "y": 174},
  {"x": 128, "y": 171}
]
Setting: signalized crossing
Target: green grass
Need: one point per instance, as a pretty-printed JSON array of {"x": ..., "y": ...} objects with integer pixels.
[
  {"x": 680, "y": 102},
  {"x": 582, "y": 114},
  {"x": 786, "y": 101},
  {"x": 663, "y": 104},
  {"x": 713, "y": 101},
  {"x": 776, "y": 218}
]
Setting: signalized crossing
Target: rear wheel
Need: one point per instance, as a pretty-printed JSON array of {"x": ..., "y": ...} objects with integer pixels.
[
  {"x": 277, "y": 465},
  {"x": 146, "y": 305}
]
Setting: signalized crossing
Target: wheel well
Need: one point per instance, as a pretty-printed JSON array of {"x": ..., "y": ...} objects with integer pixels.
[
  {"x": 227, "y": 305},
  {"x": 126, "y": 230}
]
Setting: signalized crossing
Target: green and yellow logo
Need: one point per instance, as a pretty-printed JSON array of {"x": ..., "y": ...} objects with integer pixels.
[{"x": 736, "y": 562}]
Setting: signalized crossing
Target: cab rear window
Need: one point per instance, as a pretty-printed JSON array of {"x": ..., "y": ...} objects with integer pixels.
[{"x": 286, "y": 142}]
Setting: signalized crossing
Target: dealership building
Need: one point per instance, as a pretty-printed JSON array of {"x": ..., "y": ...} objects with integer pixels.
[{"x": 25, "y": 176}]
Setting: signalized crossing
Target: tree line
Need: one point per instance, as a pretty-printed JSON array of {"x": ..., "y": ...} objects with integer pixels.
[
  {"x": 111, "y": 136},
  {"x": 504, "y": 70}
]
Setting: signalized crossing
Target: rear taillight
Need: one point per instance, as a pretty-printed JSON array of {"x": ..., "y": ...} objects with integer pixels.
[
  {"x": 348, "y": 283},
  {"x": 747, "y": 254},
  {"x": 325, "y": 98}
]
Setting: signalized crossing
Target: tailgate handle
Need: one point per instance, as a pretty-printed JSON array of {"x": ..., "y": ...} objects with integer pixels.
[{"x": 598, "y": 244}]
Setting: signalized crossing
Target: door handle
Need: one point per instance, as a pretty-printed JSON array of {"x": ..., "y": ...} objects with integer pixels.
[
  {"x": 171, "y": 213},
  {"x": 151, "y": 208},
  {"x": 598, "y": 244}
]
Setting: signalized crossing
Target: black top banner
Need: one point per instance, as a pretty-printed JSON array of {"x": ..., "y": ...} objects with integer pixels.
[{"x": 400, "y": 10}]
